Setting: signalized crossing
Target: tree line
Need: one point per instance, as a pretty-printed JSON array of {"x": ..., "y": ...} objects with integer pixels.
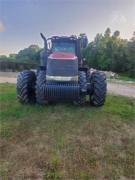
[
  {"x": 106, "y": 52},
  {"x": 109, "y": 52},
  {"x": 28, "y": 55}
]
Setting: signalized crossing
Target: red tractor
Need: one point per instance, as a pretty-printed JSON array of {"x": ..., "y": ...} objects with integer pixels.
[{"x": 62, "y": 75}]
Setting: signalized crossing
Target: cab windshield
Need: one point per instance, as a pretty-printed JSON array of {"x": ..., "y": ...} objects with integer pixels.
[{"x": 66, "y": 47}]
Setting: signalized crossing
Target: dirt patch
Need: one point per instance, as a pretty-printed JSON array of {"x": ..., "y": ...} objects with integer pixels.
[
  {"x": 8, "y": 77},
  {"x": 9, "y": 74},
  {"x": 121, "y": 89}
]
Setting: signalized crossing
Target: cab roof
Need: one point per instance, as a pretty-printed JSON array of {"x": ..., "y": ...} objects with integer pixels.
[{"x": 66, "y": 38}]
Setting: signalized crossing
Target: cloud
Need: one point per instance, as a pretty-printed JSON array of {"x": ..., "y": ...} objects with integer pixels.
[
  {"x": 2, "y": 27},
  {"x": 118, "y": 18}
]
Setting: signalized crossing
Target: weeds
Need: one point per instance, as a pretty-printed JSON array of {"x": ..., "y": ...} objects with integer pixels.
[{"x": 66, "y": 142}]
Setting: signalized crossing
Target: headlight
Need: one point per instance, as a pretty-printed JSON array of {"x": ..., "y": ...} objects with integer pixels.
[{"x": 61, "y": 78}]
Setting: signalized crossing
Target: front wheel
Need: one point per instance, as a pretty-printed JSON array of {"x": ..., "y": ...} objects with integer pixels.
[
  {"x": 26, "y": 86},
  {"x": 99, "y": 88},
  {"x": 83, "y": 88},
  {"x": 40, "y": 87}
]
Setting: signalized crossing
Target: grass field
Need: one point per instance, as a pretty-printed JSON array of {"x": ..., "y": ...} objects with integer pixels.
[
  {"x": 125, "y": 78},
  {"x": 66, "y": 142}
]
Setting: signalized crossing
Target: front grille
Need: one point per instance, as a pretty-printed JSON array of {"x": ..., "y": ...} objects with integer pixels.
[
  {"x": 66, "y": 92},
  {"x": 62, "y": 67}
]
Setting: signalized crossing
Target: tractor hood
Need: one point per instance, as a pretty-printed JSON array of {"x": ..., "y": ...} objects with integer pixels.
[
  {"x": 62, "y": 56},
  {"x": 62, "y": 67}
]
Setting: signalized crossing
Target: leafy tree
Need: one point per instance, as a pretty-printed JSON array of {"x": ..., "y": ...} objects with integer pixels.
[
  {"x": 29, "y": 55},
  {"x": 110, "y": 52},
  {"x": 107, "y": 32},
  {"x": 116, "y": 34},
  {"x": 3, "y": 58},
  {"x": 131, "y": 56},
  {"x": 12, "y": 57}
]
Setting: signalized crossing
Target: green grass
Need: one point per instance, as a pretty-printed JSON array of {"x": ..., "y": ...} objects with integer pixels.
[
  {"x": 123, "y": 77},
  {"x": 63, "y": 141}
]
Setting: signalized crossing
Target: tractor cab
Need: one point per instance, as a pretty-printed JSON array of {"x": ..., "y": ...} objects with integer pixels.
[
  {"x": 62, "y": 62},
  {"x": 63, "y": 45},
  {"x": 62, "y": 58}
]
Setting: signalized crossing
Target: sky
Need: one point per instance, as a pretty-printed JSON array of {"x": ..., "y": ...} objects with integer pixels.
[{"x": 21, "y": 21}]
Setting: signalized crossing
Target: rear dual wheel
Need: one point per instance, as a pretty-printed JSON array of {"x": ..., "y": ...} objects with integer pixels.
[
  {"x": 40, "y": 87},
  {"x": 29, "y": 88},
  {"x": 99, "y": 88},
  {"x": 83, "y": 88},
  {"x": 26, "y": 87}
]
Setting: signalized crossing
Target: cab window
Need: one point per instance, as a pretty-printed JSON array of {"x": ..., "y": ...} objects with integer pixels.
[{"x": 67, "y": 47}]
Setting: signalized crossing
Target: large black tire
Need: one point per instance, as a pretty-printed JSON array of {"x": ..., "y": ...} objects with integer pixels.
[
  {"x": 40, "y": 84},
  {"x": 26, "y": 87},
  {"x": 83, "y": 89},
  {"x": 99, "y": 88}
]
